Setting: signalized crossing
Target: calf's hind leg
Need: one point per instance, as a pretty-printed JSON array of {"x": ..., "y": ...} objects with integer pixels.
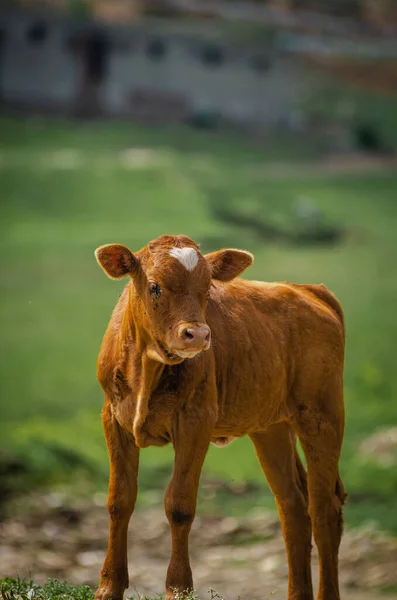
[
  {"x": 320, "y": 431},
  {"x": 285, "y": 474},
  {"x": 124, "y": 460}
]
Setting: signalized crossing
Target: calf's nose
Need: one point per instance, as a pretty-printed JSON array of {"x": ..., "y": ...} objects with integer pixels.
[{"x": 196, "y": 337}]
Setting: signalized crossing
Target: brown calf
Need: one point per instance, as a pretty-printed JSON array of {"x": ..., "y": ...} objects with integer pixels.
[{"x": 193, "y": 355}]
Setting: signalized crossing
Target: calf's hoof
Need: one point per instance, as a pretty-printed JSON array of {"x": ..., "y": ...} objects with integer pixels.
[
  {"x": 108, "y": 591},
  {"x": 112, "y": 584}
]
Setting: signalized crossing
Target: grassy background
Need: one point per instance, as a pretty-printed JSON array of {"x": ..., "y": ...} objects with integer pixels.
[{"x": 67, "y": 188}]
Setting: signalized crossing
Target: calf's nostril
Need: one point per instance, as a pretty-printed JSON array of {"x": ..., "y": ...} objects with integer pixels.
[{"x": 196, "y": 336}]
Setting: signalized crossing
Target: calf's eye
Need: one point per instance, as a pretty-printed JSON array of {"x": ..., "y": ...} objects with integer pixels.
[{"x": 155, "y": 289}]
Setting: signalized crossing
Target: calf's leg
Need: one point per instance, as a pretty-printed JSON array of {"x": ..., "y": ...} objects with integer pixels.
[
  {"x": 191, "y": 442},
  {"x": 124, "y": 460},
  {"x": 285, "y": 474},
  {"x": 320, "y": 431}
]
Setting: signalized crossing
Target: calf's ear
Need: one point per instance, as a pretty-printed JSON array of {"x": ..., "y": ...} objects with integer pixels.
[
  {"x": 228, "y": 264},
  {"x": 116, "y": 260}
]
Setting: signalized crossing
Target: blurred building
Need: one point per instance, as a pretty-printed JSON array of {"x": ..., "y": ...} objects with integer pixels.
[
  {"x": 103, "y": 58},
  {"x": 65, "y": 65}
]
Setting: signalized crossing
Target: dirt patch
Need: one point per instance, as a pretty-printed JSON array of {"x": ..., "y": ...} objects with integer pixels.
[
  {"x": 381, "y": 447},
  {"x": 334, "y": 166},
  {"x": 66, "y": 539}
]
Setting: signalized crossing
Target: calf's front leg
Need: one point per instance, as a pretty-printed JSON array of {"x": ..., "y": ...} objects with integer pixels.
[
  {"x": 191, "y": 444},
  {"x": 124, "y": 460}
]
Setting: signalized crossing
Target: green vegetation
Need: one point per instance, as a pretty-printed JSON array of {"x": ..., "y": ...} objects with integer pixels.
[
  {"x": 349, "y": 106},
  {"x": 15, "y": 589},
  {"x": 69, "y": 187}
]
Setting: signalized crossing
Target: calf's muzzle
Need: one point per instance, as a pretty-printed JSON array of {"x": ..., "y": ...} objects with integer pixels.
[{"x": 192, "y": 337}]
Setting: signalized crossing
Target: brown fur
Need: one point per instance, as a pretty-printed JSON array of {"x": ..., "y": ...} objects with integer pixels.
[{"x": 273, "y": 371}]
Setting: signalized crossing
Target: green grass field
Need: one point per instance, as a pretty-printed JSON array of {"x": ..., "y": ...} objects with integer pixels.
[{"x": 68, "y": 188}]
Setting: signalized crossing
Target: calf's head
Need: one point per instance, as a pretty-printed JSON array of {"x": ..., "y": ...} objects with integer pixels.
[{"x": 171, "y": 288}]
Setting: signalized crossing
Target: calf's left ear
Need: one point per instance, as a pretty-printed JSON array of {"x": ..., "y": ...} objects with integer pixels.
[
  {"x": 228, "y": 264},
  {"x": 116, "y": 260}
]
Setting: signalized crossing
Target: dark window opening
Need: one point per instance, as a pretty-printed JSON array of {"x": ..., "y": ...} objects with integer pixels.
[
  {"x": 368, "y": 138},
  {"x": 156, "y": 49},
  {"x": 260, "y": 63},
  {"x": 96, "y": 56},
  {"x": 37, "y": 33},
  {"x": 213, "y": 56},
  {"x": 2, "y": 40}
]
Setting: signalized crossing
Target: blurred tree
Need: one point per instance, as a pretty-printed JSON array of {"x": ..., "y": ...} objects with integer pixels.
[
  {"x": 79, "y": 8},
  {"x": 337, "y": 7},
  {"x": 378, "y": 12},
  {"x": 116, "y": 10},
  {"x": 107, "y": 10},
  {"x": 382, "y": 13}
]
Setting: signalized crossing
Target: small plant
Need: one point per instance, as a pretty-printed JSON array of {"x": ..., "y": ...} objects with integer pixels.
[
  {"x": 214, "y": 595},
  {"x": 186, "y": 595}
]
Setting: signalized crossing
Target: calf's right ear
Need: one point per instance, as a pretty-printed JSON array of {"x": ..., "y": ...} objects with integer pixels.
[{"x": 116, "y": 260}]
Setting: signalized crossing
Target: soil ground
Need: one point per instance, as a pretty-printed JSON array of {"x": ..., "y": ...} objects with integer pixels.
[{"x": 66, "y": 538}]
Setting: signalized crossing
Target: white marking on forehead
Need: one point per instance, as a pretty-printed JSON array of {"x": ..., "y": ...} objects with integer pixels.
[{"x": 188, "y": 257}]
